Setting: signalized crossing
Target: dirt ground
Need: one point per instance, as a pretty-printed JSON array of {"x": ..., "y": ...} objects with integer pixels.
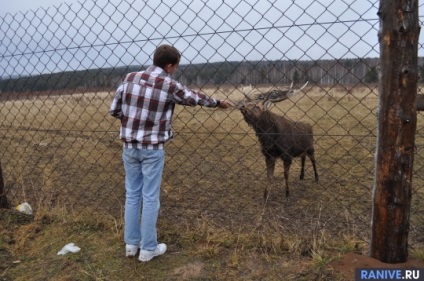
[
  {"x": 212, "y": 206},
  {"x": 345, "y": 267}
]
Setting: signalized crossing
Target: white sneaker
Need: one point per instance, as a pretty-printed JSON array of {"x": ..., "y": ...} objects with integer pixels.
[
  {"x": 148, "y": 255},
  {"x": 131, "y": 250}
]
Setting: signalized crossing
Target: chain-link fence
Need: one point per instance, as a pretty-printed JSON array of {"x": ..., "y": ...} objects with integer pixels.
[{"x": 60, "y": 66}]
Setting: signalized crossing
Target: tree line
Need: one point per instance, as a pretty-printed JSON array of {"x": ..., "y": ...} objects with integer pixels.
[{"x": 321, "y": 72}]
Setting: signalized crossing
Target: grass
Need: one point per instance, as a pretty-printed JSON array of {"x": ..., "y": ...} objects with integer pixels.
[
  {"x": 418, "y": 253},
  {"x": 62, "y": 155},
  {"x": 202, "y": 251}
]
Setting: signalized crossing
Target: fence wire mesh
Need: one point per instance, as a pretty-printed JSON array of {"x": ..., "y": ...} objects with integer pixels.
[{"x": 60, "y": 66}]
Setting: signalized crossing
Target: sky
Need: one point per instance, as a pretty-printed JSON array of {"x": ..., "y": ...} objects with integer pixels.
[
  {"x": 15, "y": 6},
  {"x": 43, "y": 36}
]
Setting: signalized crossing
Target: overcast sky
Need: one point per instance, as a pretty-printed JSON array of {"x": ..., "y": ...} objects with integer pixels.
[
  {"x": 42, "y": 36},
  {"x": 15, "y": 6}
]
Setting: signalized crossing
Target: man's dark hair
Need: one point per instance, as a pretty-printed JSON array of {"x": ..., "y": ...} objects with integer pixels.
[{"x": 166, "y": 54}]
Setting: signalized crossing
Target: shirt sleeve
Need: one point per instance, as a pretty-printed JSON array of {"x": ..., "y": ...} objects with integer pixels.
[
  {"x": 185, "y": 96},
  {"x": 116, "y": 106}
]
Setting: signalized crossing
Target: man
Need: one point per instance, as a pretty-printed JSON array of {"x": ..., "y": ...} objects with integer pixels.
[{"x": 144, "y": 103}]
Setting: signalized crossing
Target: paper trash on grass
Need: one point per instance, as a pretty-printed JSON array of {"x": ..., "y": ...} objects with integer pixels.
[
  {"x": 24, "y": 208},
  {"x": 69, "y": 248}
]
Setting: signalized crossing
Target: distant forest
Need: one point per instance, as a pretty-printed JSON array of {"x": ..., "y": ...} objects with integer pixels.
[{"x": 321, "y": 72}]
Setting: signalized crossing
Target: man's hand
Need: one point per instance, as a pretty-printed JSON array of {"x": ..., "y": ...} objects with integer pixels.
[{"x": 225, "y": 104}]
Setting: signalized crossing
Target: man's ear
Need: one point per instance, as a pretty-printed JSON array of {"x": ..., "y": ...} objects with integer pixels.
[{"x": 168, "y": 68}]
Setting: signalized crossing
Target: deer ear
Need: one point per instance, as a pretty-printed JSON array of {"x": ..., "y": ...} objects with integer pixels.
[{"x": 268, "y": 104}]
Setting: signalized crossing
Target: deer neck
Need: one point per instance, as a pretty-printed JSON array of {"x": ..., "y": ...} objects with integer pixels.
[{"x": 266, "y": 123}]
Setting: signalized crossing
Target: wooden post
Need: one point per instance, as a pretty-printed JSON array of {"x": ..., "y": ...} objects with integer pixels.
[
  {"x": 3, "y": 200},
  {"x": 397, "y": 117},
  {"x": 420, "y": 102}
]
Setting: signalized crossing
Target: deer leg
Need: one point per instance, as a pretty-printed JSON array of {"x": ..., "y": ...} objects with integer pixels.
[
  {"x": 287, "y": 163},
  {"x": 302, "y": 168},
  {"x": 270, "y": 166},
  {"x": 312, "y": 157}
]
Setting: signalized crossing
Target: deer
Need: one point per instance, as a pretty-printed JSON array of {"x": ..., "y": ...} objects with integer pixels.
[{"x": 279, "y": 137}]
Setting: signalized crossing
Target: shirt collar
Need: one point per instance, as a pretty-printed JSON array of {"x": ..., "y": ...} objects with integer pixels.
[{"x": 158, "y": 70}]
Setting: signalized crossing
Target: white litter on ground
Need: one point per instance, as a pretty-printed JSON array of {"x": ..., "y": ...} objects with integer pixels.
[
  {"x": 24, "y": 208},
  {"x": 69, "y": 248}
]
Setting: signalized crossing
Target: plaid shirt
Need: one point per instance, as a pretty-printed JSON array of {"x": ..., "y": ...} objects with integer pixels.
[{"x": 145, "y": 101}]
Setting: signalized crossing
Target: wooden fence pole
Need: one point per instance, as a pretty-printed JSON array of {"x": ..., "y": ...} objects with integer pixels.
[
  {"x": 3, "y": 200},
  {"x": 397, "y": 118}
]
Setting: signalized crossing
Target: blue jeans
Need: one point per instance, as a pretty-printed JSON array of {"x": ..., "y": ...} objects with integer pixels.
[{"x": 143, "y": 176}]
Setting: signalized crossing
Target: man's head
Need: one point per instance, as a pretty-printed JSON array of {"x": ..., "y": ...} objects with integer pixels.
[{"x": 167, "y": 57}]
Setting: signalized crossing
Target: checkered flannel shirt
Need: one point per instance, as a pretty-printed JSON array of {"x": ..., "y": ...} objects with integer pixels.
[{"x": 145, "y": 101}]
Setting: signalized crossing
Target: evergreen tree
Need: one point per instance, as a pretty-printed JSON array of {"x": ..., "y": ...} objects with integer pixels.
[
  {"x": 296, "y": 77},
  {"x": 372, "y": 75}
]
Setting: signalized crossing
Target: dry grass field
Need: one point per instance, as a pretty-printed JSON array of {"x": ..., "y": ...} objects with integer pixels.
[{"x": 61, "y": 153}]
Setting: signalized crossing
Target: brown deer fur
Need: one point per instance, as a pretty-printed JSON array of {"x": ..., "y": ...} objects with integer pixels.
[{"x": 281, "y": 138}]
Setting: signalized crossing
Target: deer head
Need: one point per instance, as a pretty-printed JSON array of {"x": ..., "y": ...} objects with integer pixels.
[{"x": 252, "y": 108}]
